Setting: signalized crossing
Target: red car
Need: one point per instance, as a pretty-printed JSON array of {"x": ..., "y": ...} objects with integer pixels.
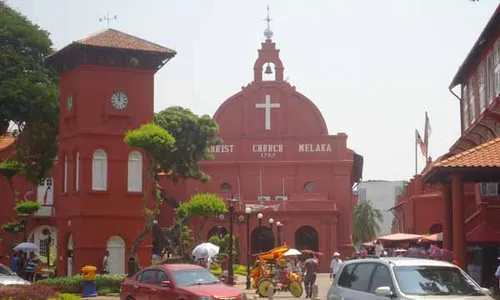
[{"x": 177, "y": 282}]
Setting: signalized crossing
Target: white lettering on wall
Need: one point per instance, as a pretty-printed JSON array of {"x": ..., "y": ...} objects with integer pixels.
[
  {"x": 221, "y": 149},
  {"x": 315, "y": 148},
  {"x": 267, "y": 150}
]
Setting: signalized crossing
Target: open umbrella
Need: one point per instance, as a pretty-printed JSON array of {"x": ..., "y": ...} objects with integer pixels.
[
  {"x": 292, "y": 252},
  {"x": 205, "y": 250},
  {"x": 26, "y": 247}
]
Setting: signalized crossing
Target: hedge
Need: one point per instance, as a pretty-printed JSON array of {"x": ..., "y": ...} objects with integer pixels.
[
  {"x": 32, "y": 292},
  {"x": 105, "y": 284}
]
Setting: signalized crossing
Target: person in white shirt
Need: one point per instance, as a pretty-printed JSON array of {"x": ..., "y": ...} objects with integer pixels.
[
  {"x": 335, "y": 265},
  {"x": 497, "y": 274}
]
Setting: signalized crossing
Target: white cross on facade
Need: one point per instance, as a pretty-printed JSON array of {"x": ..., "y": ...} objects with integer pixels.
[{"x": 267, "y": 106}]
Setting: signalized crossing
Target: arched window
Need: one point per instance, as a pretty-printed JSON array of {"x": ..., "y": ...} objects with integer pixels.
[
  {"x": 99, "y": 170},
  {"x": 77, "y": 171},
  {"x": 65, "y": 179},
  {"x": 225, "y": 187},
  {"x": 309, "y": 186},
  {"x": 135, "y": 172}
]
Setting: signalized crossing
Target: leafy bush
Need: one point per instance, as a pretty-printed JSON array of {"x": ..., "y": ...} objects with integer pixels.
[
  {"x": 74, "y": 284},
  {"x": 104, "y": 291},
  {"x": 27, "y": 292},
  {"x": 67, "y": 297},
  {"x": 240, "y": 270},
  {"x": 217, "y": 271},
  {"x": 27, "y": 207},
  {"x": 12, "y": 227}
]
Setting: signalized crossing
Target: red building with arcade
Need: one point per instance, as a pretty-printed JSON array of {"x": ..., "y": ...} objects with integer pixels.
[
  {"x": 277, "y": 158},
  {"x": 462, "y": 185}
]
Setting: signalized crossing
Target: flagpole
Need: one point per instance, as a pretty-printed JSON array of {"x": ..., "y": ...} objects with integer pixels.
[
  {"x": 416, "y": 154},
  {"x": 283, "y": 179},
  {"x": 239, "y": 192}
]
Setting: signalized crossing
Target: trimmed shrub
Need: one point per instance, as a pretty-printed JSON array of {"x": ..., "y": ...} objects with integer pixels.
[
  {"x": 27, "y": 207},
  {"x": 27, "y": 292},
  {"x": 74, "y": 284}
]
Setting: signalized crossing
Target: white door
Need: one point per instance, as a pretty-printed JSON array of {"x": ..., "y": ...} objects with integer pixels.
[
  {"x": 116, "y": 260},
  {"x": 70, "y": 259}
]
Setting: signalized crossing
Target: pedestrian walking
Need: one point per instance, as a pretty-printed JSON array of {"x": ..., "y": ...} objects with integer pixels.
[
  {"x": 335, "y": 265},
  {"x": 311, "y": 268},
  {"x": 105, "y": 263}
]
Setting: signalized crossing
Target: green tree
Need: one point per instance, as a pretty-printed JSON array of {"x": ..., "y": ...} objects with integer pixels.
[
  {"x": 28, "y": 92},
  {"x": 193, "y": 137},
  {"x": 204, "y": 206},
  {"x": 366, "y": 222},
  {"x": 154, "y": 141}
]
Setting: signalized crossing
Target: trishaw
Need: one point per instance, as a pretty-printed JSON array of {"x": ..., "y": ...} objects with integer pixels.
[{"x": 270, "y": 270}]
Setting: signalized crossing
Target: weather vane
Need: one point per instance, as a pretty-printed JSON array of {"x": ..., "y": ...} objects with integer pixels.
[
  {"x": 268, "y": 33},
  {"x": 107, "y": 18}
]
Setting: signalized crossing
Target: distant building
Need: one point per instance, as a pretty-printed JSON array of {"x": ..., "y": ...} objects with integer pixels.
[{"x": 383, "y": 195}]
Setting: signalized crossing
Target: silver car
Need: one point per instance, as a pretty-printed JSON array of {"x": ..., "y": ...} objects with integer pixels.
[
  {"x": 7, "y": 277},
  {"x": 403, "y": 278}
]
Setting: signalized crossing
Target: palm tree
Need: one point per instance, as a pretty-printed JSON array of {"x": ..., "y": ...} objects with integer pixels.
[{"x": 366, "y": 222}]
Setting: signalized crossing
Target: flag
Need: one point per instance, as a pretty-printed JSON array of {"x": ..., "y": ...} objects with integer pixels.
[
  {"x": 427, "y": 132},
  {"x": 45, "y": 195},
  {"x": 418, "y": 141}
]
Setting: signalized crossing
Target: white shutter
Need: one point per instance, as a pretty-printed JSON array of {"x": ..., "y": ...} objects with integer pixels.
[
  {"x": 77, "y": 171},
  {"x": 497, "y": 68},
  {"x": 134, "y": 183},
  {"x": 65, "y": 183},
  {"x": 99, "y": 171}
]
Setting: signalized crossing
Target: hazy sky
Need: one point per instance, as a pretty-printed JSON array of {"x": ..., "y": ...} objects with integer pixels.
[{"x": 373, "y": 67}]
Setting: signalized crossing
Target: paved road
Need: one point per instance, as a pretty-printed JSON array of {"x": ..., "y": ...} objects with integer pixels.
[{"x": 323, "y": 281}]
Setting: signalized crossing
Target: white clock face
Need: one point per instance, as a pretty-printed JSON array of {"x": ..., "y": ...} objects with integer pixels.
[
  {"x": 119, "y": 100},
  {"x": 69, "y": 102}
]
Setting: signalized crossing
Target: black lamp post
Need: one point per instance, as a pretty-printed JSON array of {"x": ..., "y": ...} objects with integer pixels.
[
  {"x": 248, "y": 211},
  {"x": 271, "y": 222},
  {"x": 49, "y": 243},
  {"x": 24, "y": 222},
  {"x": 278, "y": 227},
  {"x": 230, "y": 271}
]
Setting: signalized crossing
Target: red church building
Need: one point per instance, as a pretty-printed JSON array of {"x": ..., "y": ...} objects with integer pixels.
[
  {"x": 458, "y": 194},
  {"x": 277, "y": 158}
]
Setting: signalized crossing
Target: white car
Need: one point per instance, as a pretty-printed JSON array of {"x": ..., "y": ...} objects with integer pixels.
[
  {"x": 7, "y": 277},
  {"x": 403, "y": 278}
]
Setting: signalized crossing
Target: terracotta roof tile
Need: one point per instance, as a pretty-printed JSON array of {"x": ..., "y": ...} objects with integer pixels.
[
  {"x": 111, "y": 38},
  {"x": 484, "y": 155},
  {"x": 6, "y": 141}
]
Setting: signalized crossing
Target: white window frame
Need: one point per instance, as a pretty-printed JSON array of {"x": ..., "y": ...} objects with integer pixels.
[
  {"x": 465, "y": 106},
  {"x": 490, "y": 76},
  {"x": 481, "y": 88},
  {"x": 99, "y": 170},
  {"x": 135, "y": 169},
  {"x": 77, "y": 171},
  {"x": 472, "y": 99},
  {"x": 489, "y": 189},
  {"x": 65, "y": 179},
  {"x": 497, "y": 67}
]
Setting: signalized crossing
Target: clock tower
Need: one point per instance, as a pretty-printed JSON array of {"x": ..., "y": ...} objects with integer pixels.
[{"x": 106, "y": 89}]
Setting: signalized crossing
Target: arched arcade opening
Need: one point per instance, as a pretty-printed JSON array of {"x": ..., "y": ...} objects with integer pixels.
[
  {"x": 219, "y": 231},
  {"x": 116, "y": 260},
  {"x": 45, "y": 237},
  {"x": 306, "y": 237},
  {"x": 262, "y": 239},
  {"x": 436, "y": 228}
]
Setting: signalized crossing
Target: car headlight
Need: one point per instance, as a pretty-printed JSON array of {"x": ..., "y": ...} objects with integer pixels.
[
  {"x": 205, "y": 298},
  {"x": 243, "y": 296}
]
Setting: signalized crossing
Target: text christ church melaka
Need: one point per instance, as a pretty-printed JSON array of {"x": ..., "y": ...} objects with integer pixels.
[{"x": 278, "y": 158}]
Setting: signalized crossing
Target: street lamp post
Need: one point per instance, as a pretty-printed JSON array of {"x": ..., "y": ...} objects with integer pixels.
[
  {"x": 260, "y": 216},
  {"x": 230, "y": 271},
  {"x": 24, "y": 222},
  {"x": 248, "y": 211},
  {"x": 278, "y": 227},
  {"x": 271, "y": 222},
  {"x": 49, "y": 243}
]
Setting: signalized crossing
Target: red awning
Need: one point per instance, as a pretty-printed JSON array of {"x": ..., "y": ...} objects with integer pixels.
[
  {"x": 483, "y": 233},
  {"x": 396, "y": 237}
]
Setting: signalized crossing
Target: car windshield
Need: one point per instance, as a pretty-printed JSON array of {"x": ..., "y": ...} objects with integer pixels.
[
  {"x": 194, "y": 277},
  {"x": 435, "y": 280},
  {"x": 6, "y": 271}
]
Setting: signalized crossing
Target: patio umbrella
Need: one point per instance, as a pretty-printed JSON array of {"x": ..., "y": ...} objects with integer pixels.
[
  {"x": 205, "y": 250},
  {"x": 26, "y": 247},
  {"x": 292, "y": 252}
]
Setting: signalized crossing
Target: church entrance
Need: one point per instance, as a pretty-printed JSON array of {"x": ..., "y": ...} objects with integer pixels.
[
  {"x": 262, "y": 239},
  {"x": 116, "y": 260},
  {"x": 219, "y": 231},
  {"x": 306, "y": 237}
]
